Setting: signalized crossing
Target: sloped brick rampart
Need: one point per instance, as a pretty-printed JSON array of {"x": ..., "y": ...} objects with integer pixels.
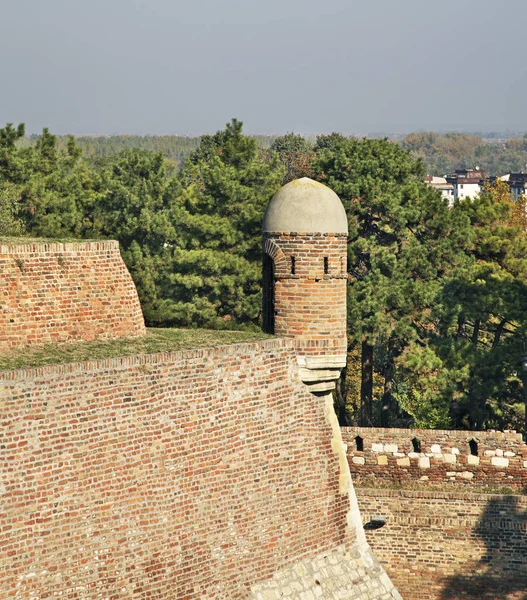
[
  {"x": 450, "y": 545},
  {"x": 62, "y": 292},
  {"x": 445, "y": 457},
  {"x": 188, "y": 475}
]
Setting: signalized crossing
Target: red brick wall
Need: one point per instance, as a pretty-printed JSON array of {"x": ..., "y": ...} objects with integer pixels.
[
  {"x": 450, "y": 546},
  {"x": 184, "y": 475},
  {"x": 388, "y": 458},
  {"x": 310, "y": 304},
  {"x": 57, "y": 292}
]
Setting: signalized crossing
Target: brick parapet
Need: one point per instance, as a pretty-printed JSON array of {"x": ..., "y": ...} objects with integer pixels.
[
  {"x": 64, "y": 292},
  {"x": 388, "y": 457},
  {"x": 138, "y": 360},
  {"x": 39, "y": 246}
]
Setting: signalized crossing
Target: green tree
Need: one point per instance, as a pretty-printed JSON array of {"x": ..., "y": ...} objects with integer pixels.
[
  {"x": 329, "y": 141},
  {"x": 59, "y": 190},
  {"x": 217, "y": 250},
  {"x": 11, "y": 164},
  {"x": 10, "y": 224},
  {"x": 135, "y": 206},
  {"x": 47, "y": 188},
  {"x": 296, "y": 154},
  {"x": 402, "y": 241},
  {"x": 481, "y": 315}
]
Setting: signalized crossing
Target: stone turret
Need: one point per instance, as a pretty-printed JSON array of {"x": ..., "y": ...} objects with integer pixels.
[{"x": 305, "y": 231}]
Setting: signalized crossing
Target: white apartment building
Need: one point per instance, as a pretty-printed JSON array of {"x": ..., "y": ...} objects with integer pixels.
[{"x": 467, "y": 183}]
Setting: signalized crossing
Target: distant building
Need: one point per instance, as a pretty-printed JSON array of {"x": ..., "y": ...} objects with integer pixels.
[
  {"x": 467, "y": 183},
  {"x": 440, "y": 183},
  {"x": 517, "y": 183}
]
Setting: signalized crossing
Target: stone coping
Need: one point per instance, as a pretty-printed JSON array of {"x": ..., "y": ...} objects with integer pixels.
[
  {"x": 272, "y": 234},
  {"x": 22, "y": 247},
  {"x": 430, "y": 433}
]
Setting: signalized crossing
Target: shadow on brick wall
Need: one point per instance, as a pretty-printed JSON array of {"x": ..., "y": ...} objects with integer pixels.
[{"x": 502, "y": 572}]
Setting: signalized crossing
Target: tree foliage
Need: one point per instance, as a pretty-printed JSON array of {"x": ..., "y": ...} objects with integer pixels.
[
  {"x": 402, "y": 241},
  {"x": 227, "y": 187},
  {"x": 436, "y": 296},
  {"x": 444, "y": 153},
  {"x": 10, "y": 224},
  {"x": 479, "y": 321}
]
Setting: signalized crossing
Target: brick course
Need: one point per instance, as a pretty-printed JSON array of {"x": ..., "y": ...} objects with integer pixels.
[
  {"x": 450, "y": 546},
  {"x": 184, "y": 475},
  {"x": 310, "y": 304},
  {"x": 63, "y": 292},
  {"x": 447, "y": 544}
]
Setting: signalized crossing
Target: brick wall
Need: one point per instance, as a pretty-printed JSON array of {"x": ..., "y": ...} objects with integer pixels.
[
  {"x": 57, "y": 292},
  {"x": 388, "y": 456},
  {"x": 450, "y": 546},
  {"x": 310, "y": 303},
  {"x": 186, "y": 475}
]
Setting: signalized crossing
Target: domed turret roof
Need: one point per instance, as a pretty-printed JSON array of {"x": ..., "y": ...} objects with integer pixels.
[{"x": 305, "y": 206}]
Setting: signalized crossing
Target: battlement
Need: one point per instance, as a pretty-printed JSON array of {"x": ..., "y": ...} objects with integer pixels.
[{"x": 477, "y": 458}]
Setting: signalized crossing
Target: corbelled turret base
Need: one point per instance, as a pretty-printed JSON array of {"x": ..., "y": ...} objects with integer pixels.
[{"x": 320, "y": 373}]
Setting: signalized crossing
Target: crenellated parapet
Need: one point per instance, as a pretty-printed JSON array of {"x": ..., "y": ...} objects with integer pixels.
[{"x": 478, "y": 459}]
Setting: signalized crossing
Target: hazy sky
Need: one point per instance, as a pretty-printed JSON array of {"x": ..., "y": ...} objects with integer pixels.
[{"x": 173, "y": 66}]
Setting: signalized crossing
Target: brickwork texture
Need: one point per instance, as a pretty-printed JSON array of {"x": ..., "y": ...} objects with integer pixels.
[
  {"x": 448, "y": 545},
  {"x": 443, "y": 539},
  {"x": 478, "y": 459},
  {"x": 63, "y": 292},
  {"x": 189, "y": 475},
  {"x": 310, "y": 290}
]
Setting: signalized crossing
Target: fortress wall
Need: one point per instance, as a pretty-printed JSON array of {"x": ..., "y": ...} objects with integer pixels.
[
  {"x": 388, "y": 458},
  {"x": 62, "y": 292},
  {"x": 450, "y": 546},
  {"x": 185, "y": 475}
]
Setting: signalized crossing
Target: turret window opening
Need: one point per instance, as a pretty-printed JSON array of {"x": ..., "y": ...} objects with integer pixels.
[
  {"x": 326, "y": 265},
  {"x": 268, "y": 312},
  {"x": 359, "y": 444},
  {"x": 293, "y": 265},
  {"x": 416, "y": 445},
  {"x": 473, "y": 445}
]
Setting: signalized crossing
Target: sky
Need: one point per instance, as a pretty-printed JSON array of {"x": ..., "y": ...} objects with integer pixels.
[{"x": 308, "y": 66}]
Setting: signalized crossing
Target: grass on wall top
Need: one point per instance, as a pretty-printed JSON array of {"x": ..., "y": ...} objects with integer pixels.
[{"x": 155, "y": 341}]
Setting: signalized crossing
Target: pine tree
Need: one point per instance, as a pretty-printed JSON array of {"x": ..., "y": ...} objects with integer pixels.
[
  {"x": 484, "y": 313},
  {"x": 217, "y": 251},
  {"x": 10, "y": 224},
  {"x": 402, "y": 241}
]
